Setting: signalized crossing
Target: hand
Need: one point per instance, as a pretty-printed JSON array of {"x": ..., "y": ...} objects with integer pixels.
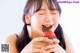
[
  {"x": 39, "y": 43},
  {"x": 35, "y": 45},
  {"x": 44, "y": 45},
  {"x": 55, "y": 48}
]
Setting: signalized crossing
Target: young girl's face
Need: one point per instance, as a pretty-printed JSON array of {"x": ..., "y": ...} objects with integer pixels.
[{"x": 45, "y": 17}]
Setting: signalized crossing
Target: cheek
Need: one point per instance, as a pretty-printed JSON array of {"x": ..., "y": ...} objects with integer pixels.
[
  {"x": 36, "y": 22},
  {"x": 36, "y": 26},
  {"x": 41, "y": 18},
  {"x": 38, "y": 19},
  {"x": 56, "y": 21},
  {"x": 56, "y": 18}
]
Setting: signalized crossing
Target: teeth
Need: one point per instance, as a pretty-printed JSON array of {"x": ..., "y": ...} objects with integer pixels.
[{"x": 45, "y": 28}]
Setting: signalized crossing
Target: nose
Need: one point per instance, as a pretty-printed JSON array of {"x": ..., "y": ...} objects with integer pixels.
[{"x": 48, "y": 20}]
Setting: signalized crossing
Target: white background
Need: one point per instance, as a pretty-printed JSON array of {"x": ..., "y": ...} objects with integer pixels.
[{"x": 11, "y": 12}]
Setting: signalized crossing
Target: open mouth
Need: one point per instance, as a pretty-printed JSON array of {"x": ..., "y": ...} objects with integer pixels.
[
  {"x": 46, "y": 28},
  {"x": 48, "y": 33}
]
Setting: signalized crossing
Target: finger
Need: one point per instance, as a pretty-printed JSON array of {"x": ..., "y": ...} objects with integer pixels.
[
  {"x": 56, "y": 49},
  {"x": 55, "y": 41},
  {"x": 45, "y": 39},
  {"x": 51, "y": 50},
  {"x": 48, "y": 41},
  {"x": 40, "y": 39},
  {"x": 38, "y": 51},
  {"x": 48, "y": 47},
  {"x": 37, "y": 46},
  {"x": 39, "y": 43}
]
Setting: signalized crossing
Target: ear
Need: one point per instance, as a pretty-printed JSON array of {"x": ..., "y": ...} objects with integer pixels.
[{"x": 27, "y": 19}]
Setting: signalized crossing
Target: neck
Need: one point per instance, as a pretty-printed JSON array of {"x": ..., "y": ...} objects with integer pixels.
[{"x": 29, "y": 31}]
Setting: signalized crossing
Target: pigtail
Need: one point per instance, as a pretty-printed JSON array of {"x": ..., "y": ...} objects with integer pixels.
[
  {"x": 60, "y": 36},
  {"x": 23, "y": 40}
]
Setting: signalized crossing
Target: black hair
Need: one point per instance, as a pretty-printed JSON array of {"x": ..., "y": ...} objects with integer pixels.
[{"x": 24, "y": 38}]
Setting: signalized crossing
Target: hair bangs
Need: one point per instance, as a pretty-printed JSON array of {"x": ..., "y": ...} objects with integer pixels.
[
  {"x": 53, "y": 5},
  {"x": 32, "y": 6}
]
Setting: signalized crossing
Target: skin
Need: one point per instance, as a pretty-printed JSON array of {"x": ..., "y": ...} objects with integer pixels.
[
  {"x": 43, "y": 17},
  {"x": 38, "y": 43}
]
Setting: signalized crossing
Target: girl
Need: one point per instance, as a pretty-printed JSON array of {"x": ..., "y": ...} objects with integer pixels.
[{"x": 37, "y": 14}]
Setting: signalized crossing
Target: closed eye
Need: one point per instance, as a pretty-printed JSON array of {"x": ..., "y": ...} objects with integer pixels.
[
  {"x": 42, "y": 13},
  {"x": 53, "y": 13}
]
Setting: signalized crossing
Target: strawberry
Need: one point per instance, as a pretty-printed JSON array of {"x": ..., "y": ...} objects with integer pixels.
[{"x": 49, "y": 34}]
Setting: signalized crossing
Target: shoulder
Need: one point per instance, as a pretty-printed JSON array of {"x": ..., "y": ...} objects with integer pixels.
[{"x": 11, "y": 40}]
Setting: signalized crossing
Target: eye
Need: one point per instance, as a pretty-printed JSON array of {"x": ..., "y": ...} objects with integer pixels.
[
  {"x": 42, "y": 13},
  {"x": 53, "y": 13}
]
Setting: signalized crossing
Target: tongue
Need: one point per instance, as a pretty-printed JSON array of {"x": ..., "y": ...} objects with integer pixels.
[{"x": 49, "y": 34}]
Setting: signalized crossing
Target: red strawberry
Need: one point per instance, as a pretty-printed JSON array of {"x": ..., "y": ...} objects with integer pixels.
[{"x": 49, "y": 34}]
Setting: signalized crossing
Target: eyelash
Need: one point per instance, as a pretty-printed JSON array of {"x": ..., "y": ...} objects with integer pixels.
[
  {"x": 42, "y": 13},
  {"x": 45, "y": 13},
  {"x": 53, "y": 13}
]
